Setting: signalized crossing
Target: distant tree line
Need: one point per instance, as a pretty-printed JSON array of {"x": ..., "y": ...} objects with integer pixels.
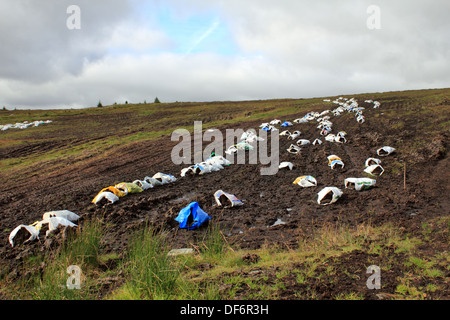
[{"x": 99, "y": 104}]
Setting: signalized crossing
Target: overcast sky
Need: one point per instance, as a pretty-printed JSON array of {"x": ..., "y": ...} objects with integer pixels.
[{"x": 210, "y": 50}]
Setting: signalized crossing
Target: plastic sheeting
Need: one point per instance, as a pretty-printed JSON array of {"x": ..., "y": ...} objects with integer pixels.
[
  {"x": 23, "y": 125},
  {"x": 53, "y": 223},
  {"x": 334, "y": 161},
  {"x": 301, "y": 120},
  {"x": 129, "y": 187},
  {"x": 328, "y": 195},
  {"x": 286, "y": 124},
  {"x": 294, "y": 135},
  {"x": 325, "y": 131},
  {"x": 153, "y": 182},
  {"x": 66, "y": 214},
  {"x": 340, "y": 137},
  {"x": 220, "y": 196},
  {"x": 231, "y": 150},
  {"x": 199, "y": 169},
  {"x": 269, "y": 128},
  {"x": 52, "y": 219},
  {"x": 164, "y": 178},
  {"x": 325, "y": 124},
  {"x": 330, "y": 137},
  {"x": 30, "y": 231},
  {"x": 375, "y": 170},
  {"x": 106, "y": 193},
  {"x": 250, "y": 136},
  {"x": 211, "y": 164},
  {"x": 359, "y": 183},
  {"x": 113, "y": 193},
  {"x": 293, "y": 149},
  {"x": 303, "y": 142},
  {"x": 372, "y": 161},
  {"x": 109, "y": 196},
  {"x": 385, "y": 151},
  {"x": 360, "y": 119},
  {"x": 143, "y": 184},
  {"x": 306, "y": 181},
  {"x": 243, "y": 145},
  {"x": 286, "y": 164}
]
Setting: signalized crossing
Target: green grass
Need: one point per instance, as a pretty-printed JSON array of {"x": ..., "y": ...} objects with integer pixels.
[
  {"x": 152, "y": 274},
  {"x": 79, "y": 249},
  {"x": 349, "y": 296},
  {"x": 149, "y": 273}
]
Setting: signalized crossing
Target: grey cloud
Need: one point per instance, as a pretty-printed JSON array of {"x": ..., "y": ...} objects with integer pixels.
[
  {"x": 287, "y": 49},
  {"x": 37, "y": 45}
]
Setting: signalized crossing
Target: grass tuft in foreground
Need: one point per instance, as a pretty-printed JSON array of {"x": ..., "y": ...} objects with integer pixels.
[{"x": 65, "y": 274}]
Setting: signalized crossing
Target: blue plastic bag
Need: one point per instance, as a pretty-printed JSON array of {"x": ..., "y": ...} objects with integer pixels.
[
  {"x": 286, "y": 124},
  {"x": 192, "y": 216}
]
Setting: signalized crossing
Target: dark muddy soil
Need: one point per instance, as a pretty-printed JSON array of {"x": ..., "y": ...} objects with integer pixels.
[{"x": 276, "y": 211}]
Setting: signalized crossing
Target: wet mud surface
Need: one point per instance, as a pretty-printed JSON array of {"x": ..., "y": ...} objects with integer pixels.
[{"x": 275, "y": 210}]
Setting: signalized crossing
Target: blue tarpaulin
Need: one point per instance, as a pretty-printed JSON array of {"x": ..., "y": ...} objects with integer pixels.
[{"x": 192, "y": 216}]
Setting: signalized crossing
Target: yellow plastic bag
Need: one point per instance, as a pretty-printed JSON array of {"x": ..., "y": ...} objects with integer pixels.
[
  {"x": 129, "y": 187},
  {"x": 306, "y": 181},
  {"x": 114, "y": 190},
  {"x": 333, "y": 158}
]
